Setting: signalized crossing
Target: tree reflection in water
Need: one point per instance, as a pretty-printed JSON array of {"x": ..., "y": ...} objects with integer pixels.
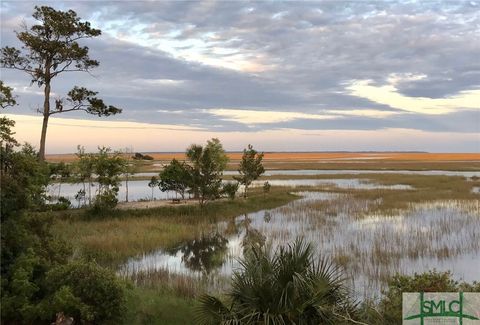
[
  {"x": 253, "y": 238},
  {"x": 203, "y": 254},
  {"x": 208, "y": 252}
]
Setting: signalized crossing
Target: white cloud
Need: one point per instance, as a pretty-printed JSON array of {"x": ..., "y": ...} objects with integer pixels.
[
  {"x": 252, "y": 117},
  {"x": 389, "y": 95},
  {"x": 265, "y": 117},
  {"x": 159, "y": 82},
  {"x": 24, "y": 120},
  {"x": 374, "y": 113}
]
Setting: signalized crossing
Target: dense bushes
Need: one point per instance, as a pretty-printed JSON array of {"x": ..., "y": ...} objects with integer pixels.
[
  {"x": 38, "y": 277},
  {"x": 230, "y": 189},
  {"x": 23, "y": 181},
  {"x": 38, "y": 280},
  {"x": 86, "y": 292}
]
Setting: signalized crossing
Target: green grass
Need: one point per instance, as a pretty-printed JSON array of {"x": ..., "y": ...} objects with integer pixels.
[
  {"x": 425, "y": 188},
  {"x": 158, "y": 306}
]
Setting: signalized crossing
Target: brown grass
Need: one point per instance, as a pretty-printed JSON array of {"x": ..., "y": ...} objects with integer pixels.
[{"x": 321, "y": 156}]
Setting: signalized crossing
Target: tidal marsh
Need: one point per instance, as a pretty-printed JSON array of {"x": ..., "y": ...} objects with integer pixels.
[
  {"x": 120, "y": 234},
  {"x": 372, "y": 233}
]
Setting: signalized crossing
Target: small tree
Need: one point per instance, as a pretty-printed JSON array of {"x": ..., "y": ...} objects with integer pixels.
[
  {"x": 175, "y": 177},
  {"x": 152, "y": 184},
  {"x": 266, "y": 188},
  {"x": 108, "y": 167},
  {"x": 251, "y": 167},
  {"x": 207, "y": 166},
  {"x": 230, "y": 189},
  {"x": 85, "y": 168},
  {"x": 130, "y": 168},
  {"x": 49, "y": 49}
]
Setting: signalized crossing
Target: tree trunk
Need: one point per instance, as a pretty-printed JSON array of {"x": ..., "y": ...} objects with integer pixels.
[
  {"x": 46, "y": 112},
  {"x": 43, "y": 137},
  {"x": 126, "y": 188}
]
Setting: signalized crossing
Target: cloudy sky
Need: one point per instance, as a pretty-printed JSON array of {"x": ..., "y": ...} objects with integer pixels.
[{"x": 324, "y": 75}]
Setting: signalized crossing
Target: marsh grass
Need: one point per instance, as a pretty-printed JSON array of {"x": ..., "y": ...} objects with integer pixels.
[
  {"x": 113, "y": 237},
  {"x": 424, "y": 188},
  {"x": 467, "y": 165},
  {"x": 158, "y": 305},
  {"x": 378, "y": 165}
]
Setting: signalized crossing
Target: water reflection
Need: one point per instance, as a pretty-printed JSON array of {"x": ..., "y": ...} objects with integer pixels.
[
  {"x": 139, "y": 189},
  {"x": 203, "y": 254},
  {"x": 252, "y": 238}
]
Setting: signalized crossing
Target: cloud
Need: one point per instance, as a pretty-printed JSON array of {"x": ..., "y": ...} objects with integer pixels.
[
  {"x": 231, "y": 66},
  {"x": 389, "y": 95},
  {"x": 151, "y": 137},
  {"x": 264, "y": 117}
]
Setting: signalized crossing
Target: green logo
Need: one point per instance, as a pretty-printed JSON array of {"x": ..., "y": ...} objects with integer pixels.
[{"x": 441, "y": 308}]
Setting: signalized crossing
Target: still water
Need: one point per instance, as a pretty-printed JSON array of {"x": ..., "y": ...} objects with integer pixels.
[
  {"x": 369, "y": 244},
  {"x": 139, "y": 190}
]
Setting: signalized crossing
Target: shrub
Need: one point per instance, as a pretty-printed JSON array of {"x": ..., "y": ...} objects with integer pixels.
[
  {"x": 28, "y": 251},
  {"x": 85, "y": 291},
  {"x": 139, "y": 156},
  {"x": 38, "y": 281},
  {"x": 230, "y": 189},
  {"x": 289, "y": 287},
  {"x": 105, "y": 201},
  {"x": 266, "y": 187},
  {"x": 62, "y": 204},
  {"x": 390, "y": 307}
]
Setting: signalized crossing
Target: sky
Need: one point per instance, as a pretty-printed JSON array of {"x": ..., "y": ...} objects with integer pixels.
[{"x": 281, "y": 75}]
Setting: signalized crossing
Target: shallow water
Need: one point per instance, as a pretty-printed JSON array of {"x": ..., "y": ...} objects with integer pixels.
[
  {"x": 139, "y": 190},
  {"x": 340, "y": 183},
  {"x": 370, "y": 246}
]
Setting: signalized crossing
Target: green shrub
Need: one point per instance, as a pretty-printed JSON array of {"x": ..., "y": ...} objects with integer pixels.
[
  {"x": 104, "y": 202},
  {"x": 85, "y": 291},
  {"x": 390, "y": 307},
  {"x": 62, "y": 204},
  {"x": 230, "y": 189},
  {"x": 38, "y": 281}
]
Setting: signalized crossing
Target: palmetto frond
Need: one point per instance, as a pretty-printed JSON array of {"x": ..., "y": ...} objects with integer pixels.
[{"x": 287, "y": 287}]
